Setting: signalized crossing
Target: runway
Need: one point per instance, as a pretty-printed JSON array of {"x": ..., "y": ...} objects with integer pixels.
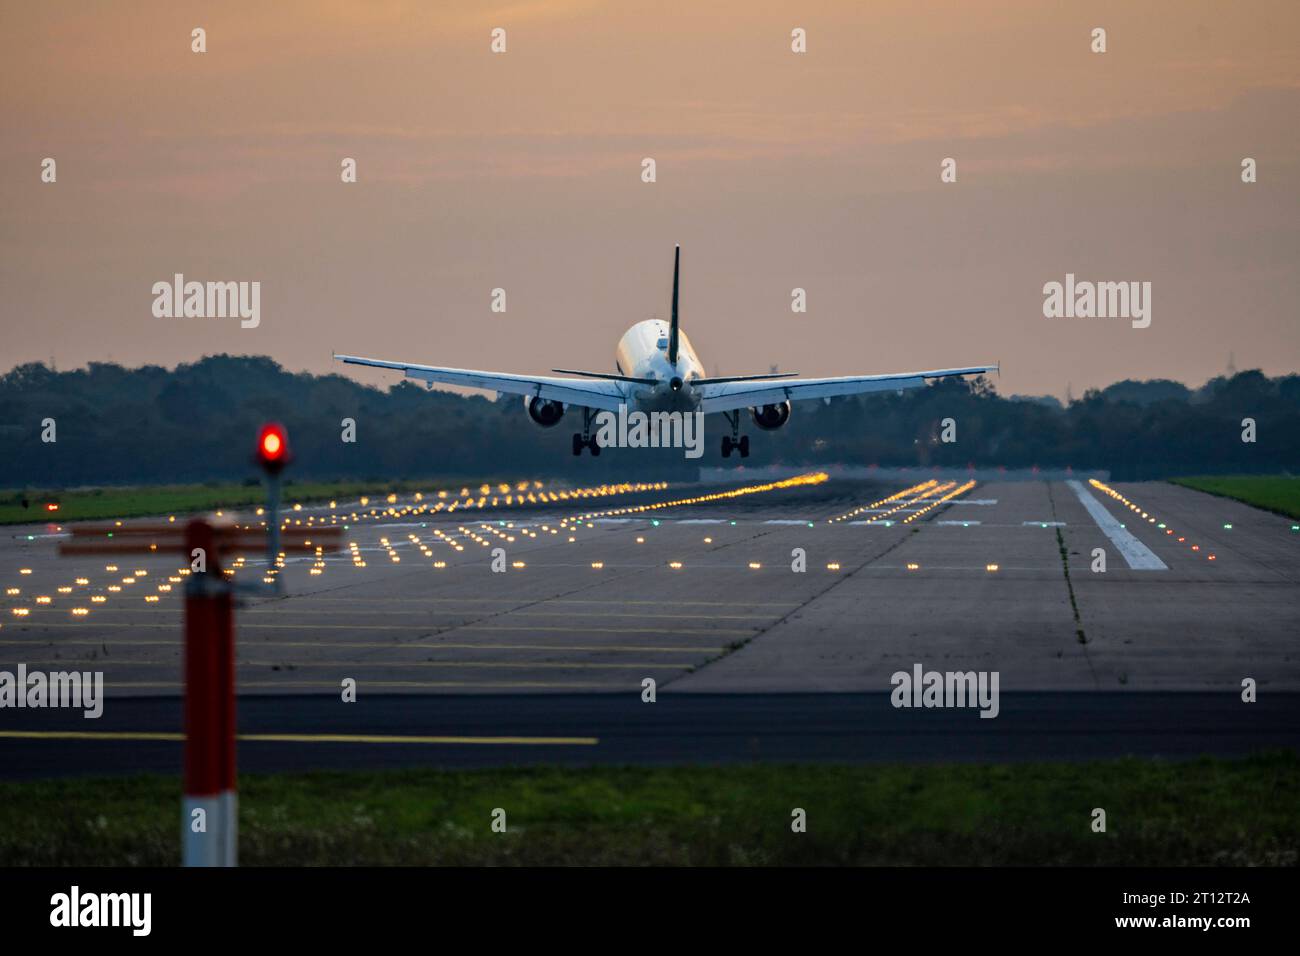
[
  {"x": 704, "y": 597},
  {"x": 297, "y": 733}
]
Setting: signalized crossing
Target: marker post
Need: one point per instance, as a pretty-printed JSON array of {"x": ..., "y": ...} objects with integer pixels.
[{"x": 209, "y": 808}]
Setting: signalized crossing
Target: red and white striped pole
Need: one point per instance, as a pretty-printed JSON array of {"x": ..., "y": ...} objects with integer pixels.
[{"x": 210, "y": 812}]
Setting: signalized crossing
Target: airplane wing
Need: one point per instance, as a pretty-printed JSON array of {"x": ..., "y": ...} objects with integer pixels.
[
  {"x": 725, "y": 397},
  {"x": 583, "y": 393}
]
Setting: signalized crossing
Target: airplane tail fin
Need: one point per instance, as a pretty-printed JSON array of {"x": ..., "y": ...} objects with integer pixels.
[{"x": 672, "y": 334}]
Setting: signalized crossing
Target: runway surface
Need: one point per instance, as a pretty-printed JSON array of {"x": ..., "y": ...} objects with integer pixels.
[
  {"x": 607, "y": 609},
  {"x": 821, "y": 586},
  {"x": 464, "y": 730}
]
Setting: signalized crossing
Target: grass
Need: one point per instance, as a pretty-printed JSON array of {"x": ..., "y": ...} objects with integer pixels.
[
  {"x": 131, "y": 502},
  {"x": 1278, "y": 493},
  {"x": 1197, "y": 812}
]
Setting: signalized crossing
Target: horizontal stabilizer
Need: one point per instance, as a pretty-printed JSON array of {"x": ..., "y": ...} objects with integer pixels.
[
  {"x": 608, "y": 375},
  {"x": 743, "y": 378}
]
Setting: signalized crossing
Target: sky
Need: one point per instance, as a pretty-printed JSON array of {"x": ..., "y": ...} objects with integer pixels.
[{"x": 775, "y": 170}]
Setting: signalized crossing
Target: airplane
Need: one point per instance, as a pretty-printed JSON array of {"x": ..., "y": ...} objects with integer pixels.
[{"x": 658, "y": 371}]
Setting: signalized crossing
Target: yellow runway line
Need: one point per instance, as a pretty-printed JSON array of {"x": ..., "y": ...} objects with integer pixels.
[
  {"x": 639, "y": 615},
  {"x": 364, "y": 665},
  {"x": 295, "y": 738},
  {"x": 614, "y": 602},
  {"x": 379, "y": 739},
  {"x": 271, "y": 610},
  {"x": 411, "y": 646},
  {"x": 413, "y": 626},
  {"x": 406, "y": 684}
]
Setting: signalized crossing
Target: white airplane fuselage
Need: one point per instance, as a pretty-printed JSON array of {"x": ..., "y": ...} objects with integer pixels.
[{"x": 643, "y": 353}]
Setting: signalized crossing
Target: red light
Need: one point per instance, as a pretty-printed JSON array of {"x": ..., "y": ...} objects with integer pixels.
[
  {"x": 52, "y": 506},
  {"x": 272, "y": 447}
]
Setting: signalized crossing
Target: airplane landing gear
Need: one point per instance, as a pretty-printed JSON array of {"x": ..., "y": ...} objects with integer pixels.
[
  {"x": 585, "y": 439},
  {"x": 579, "y": 443},
  {"x": 735, "y": 439}
]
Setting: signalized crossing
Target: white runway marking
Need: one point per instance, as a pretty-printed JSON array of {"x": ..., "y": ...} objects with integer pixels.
[
  {"x": 1137, "y": 554},
  {"x": 1043, "y": 524},
  {"x": 785, "y": 521},
  {"x": 974, "y": 501},
  {"x": 960, "y": 524}
]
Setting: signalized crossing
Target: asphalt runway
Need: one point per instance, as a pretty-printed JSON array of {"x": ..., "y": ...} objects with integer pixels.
[
  {"x": 299, "y": 733},
  {"x": 703, "y": 598}
]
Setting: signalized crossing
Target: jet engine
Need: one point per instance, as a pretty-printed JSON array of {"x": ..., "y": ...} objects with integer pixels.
[
  {"x": 770, "y": 417},
  {"x": 544, "y": 412}
]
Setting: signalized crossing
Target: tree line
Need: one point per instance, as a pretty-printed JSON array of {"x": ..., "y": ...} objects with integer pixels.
[{"x": 197, "y": 422}]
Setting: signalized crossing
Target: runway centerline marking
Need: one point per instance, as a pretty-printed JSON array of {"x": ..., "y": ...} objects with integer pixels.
[{"x": 1137, "y": 554}]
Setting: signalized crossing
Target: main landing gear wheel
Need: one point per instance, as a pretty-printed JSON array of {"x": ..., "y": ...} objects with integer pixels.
[
  {"x": 579, "y": 443},
  {"x": 741, "y": 445},
  {"x": 735, "y": 440}
]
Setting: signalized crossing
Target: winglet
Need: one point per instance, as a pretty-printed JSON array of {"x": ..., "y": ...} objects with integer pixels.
[{"x": 672, "y": 332}]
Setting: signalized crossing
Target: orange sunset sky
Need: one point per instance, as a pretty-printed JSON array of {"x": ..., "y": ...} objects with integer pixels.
[{"x": 775, "y": 170}]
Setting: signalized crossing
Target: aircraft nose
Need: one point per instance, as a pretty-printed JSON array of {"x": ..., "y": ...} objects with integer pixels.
[{"x": 675, "y": 384}]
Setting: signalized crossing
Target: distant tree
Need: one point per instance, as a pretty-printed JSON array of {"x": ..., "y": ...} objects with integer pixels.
[{"x": 195, "y": 423}]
